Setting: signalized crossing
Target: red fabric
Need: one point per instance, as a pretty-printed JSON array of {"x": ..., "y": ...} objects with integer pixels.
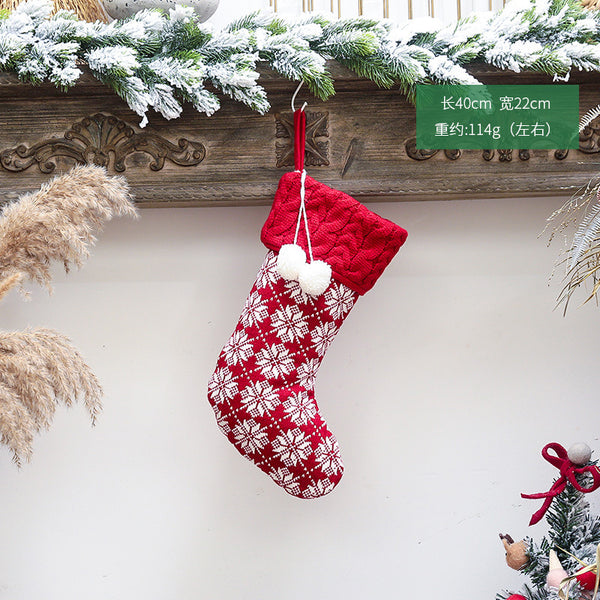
[
  {"x": 262, "y": 391},
  {"x": 299, "y": 138},
  {"x": 568, "y": 470},
  {"x": 587, "y": 581},
  {"x": 357, "y": 243}
]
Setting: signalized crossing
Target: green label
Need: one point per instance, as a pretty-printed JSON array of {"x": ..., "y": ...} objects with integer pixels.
[{"x": 483, "y": 117}]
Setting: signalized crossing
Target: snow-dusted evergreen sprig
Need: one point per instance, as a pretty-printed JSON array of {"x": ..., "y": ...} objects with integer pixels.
[
  {"x": 160, "y": 60},
  {"x": 28, "y": 48},
  {"x": 286, "y": 45},
  {"x": 185, "y": 74},
  {"x": 551, "y": 36},
  {"x": 573, "y": 532},
  {"x": 530, "y": 593}
]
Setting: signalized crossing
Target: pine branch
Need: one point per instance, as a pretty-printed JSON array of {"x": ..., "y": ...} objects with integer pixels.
[
  {"x": 537, "y": 568},
  {"x": 372, "y": 67},
  {"x": 573, "y": 530},
  {"x": 550, "y": 36}
]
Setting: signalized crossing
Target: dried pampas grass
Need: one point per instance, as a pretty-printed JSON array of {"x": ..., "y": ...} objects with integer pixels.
[
  {"x": 40, "y": 368},
  {"x": 9, "y": 282},
  {"x": 591, "y": 4},
  {"x": 58, "y": 223},
  {"x": 88, "y": 10},
  {"x": 581, "y": 256}
]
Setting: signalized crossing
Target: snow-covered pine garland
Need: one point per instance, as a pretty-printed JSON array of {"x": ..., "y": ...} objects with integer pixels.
[{"x": 158, "y": 60}]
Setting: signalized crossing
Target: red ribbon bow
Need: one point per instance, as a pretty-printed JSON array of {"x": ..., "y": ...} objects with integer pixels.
[{"x": 568, "y": 470}]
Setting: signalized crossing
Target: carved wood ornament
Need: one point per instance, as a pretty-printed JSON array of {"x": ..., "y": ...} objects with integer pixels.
[
  {"x": 504, "y": 155},
  {"x": 589, "y": 143},
  {"x": 589, "y": 138},
  {"x": 94, "y": 139},
  {"x": 360, "y": 141},
  {"x": 317, "y": 146}
]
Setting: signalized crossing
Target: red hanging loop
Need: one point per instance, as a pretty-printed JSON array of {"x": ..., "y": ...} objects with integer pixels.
[{"x": 299, "y": 138}]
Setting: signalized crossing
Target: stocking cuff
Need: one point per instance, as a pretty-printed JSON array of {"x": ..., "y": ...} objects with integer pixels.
[{"x": 357, "y": 243}]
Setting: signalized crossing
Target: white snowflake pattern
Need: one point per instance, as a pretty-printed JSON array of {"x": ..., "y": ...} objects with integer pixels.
[
  {"x": 238, "y": 349},
  {"x": 289, "y": 324},
  {"x": 222, "y": 421},
  {"x": 322, "y": 336},
  {"x": 254, "y": 311},
  {"x": 221, "y": 386},
  {"x": 292, "y": 446},
  {"x": 286, "y": 480},
  {"x": 274, "y": 361},
  {"x": 328, "y": 455},
  {"x": 297, "y": 295},
  {"x": 307, "y": 372},
  {"x": 339, "y": 299},
  {"x": 259, "y": 397},
  {"x": 319, "y": 488},
  {"x": 268, "y": 272},
  {"x": 300, "y": 407},
  {"x": 250, "y": 436}
]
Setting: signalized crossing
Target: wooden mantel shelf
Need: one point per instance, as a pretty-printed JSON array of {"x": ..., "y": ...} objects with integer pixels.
[{"x": 360, "y": 141}]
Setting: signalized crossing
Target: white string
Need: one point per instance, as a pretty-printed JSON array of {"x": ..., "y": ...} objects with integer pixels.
[
  {"x": 298, "y": 224},
  {"x": 294, "y": 97},
  {"x": 301, "y": 213}
]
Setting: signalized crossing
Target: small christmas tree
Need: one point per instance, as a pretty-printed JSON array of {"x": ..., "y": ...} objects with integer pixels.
[{"x": 572, "y": 541}]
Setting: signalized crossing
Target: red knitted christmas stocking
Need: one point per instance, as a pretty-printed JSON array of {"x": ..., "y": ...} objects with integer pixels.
[{"x": 262, "y": 390}]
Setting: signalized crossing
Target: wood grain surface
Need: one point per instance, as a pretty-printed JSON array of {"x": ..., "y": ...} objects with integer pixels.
[{"x": 360, "y": 141}]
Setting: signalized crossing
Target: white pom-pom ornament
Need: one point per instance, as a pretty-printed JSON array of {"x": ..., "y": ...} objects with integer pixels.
[
  {"x": 290, "y": 260},
  {"x": 314, "y": 278},
  {"x": 579, "y": 454}
]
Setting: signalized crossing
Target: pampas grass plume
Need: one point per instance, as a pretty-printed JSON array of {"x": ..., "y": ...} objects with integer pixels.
[
  {"x": 88, "y": 10},
  {"x": 40, "y": 368},
  {"x": 59, "y": 222}
]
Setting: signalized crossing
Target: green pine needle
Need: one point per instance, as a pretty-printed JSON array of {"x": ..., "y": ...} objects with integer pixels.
[
  {"x": 321, "y": 86},
  {"x": 297, "y": 48},
  {"x": 373, "y": 68}
]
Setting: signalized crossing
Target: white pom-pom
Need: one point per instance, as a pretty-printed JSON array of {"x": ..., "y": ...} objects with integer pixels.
[
  {"x": 289, "y": 261},
  {"x": 314, "y": 278},
  {"x": 580, "y": 454}
]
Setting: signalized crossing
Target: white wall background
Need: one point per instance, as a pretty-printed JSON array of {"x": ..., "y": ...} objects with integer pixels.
[{"x": 442, "y": 387}]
